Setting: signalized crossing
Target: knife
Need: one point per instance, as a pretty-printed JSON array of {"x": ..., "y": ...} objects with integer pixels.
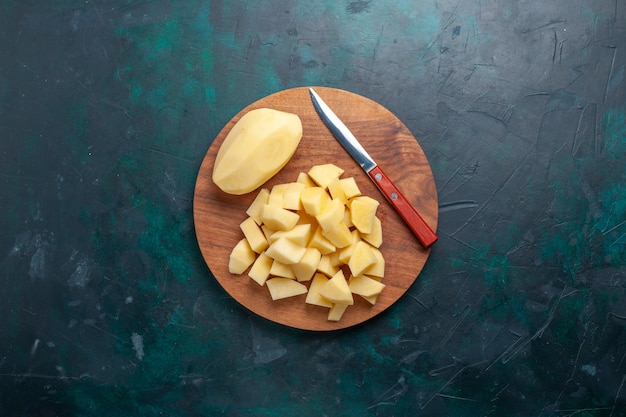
[{"x": 411, "y": 217}]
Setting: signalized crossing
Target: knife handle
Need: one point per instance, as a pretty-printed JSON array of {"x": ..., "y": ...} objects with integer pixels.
[{"x": 411, "y": 217}]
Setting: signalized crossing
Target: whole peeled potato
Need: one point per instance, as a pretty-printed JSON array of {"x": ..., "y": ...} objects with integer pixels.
[{"x": 258, "y": 146}]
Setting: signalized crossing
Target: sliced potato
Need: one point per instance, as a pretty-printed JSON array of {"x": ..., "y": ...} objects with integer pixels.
[
  {"x": 375, "y": 237},
  {"x": 363, "y": 257},
  {"x": 331, "y": 214},
  {"x": 282, "y": 270},
  {"x": 261, "y": 268},
  {"x": 277, "y": 194},
  {"x": 284, "y": 287},
  {"x": 291, "y": 197},
  {"x": 304, "y": 178},
  {"x": 324, "y": 174},
  {"x": 300, "y": 234},
  {"x": 313, "y": 199},
  {"x": 339, "y": 235},
  {"x": 306, "y": 267},
  {"x": 365, "y": 286},
  {"x": 327, "y": 266},
  {"x": 241, "y": 257},
  {"x": 336, "y": 312},
  {"x": 337, "y": 291},
  {"x": 363, "y": 211},
  {"x": 285, "y": 251},
  {"x": 376, "y": 270},
  {"x": 309, "y": 232},
  {"x": 336, "y": 191},
  {"x": 321, "y": 242},
  {"x": 277, "y": 218},
  {"x": 350, "y": 187},
  {"x": 254, "y": 235},
  {"x": 313, "y": 296},
  {"x": 260, "y": 200}
]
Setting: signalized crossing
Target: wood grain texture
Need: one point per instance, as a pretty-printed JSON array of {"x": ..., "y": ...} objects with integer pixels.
[{"x": 217, "y": 215}]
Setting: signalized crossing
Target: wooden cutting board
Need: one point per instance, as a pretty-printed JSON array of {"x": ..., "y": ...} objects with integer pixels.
[{"x": 217, "y": 215}]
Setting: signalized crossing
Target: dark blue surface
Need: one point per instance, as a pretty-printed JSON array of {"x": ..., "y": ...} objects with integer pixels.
[{"x": 108, "y": 107}]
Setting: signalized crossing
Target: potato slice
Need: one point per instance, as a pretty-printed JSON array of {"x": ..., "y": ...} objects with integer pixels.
[
  {"x": 346, "y": 252},
  {"x": 261, "y": 268},
  {"x": 277, "y": 218},
  {"x": 332, "y": 213},
  {"x": 291, "y": 197},
  {"x": 306, "y": 218},
  {"x": 339, "y": 235},
  {"x": 377, "y": 270},
  {"x": 321, "y": 242},
  {"x": 336, "y": 191},
  {"x": 284, "y": 287},
  {"x": 333, "y": 258},
  {"x": 365, "y": 286},
  {"x": 313, "y": 296},
  {"x": 371, "y": 298},
  {"x": 362, "y": 258},
  {"x": 254, "y": 235},
  {"x": 304, "y": 178},
  {"x": 268, "y": 233},
  {"x": 327, "y": 266},
  {"x": 280, "y": 269},
  {"x": 313, "y": 199},
  {"x": 347, "y": 218},
  {"x": 322, "y": 175},
  {"x": 285, "y": 251},
  {"x": 363, "y": 211},
  {"x": 350, "y": 187},
  {"x": 300, "y": 234},
  {"x": 277, "y": 194},
  {"x": 336, "y": 312},
  {"x": 375, "y": 237},
  {"x": 307, "y": 266},
  {"x": 260, "y": 200},
  {"x": 337, "y": 291},
  {"x": 241, "y": 257}
]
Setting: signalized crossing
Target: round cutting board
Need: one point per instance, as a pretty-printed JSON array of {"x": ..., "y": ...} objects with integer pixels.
[{"x": 217, "y": 215}]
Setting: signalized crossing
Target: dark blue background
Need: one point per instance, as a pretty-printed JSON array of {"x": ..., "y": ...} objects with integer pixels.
[{"x": 108, "y": 107}]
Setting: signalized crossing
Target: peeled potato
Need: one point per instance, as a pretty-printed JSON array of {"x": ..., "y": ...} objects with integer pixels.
[{"x": 258, "y": 146}]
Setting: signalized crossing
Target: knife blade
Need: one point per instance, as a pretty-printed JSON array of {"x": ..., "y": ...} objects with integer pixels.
[{"x": 340, "y": 131}]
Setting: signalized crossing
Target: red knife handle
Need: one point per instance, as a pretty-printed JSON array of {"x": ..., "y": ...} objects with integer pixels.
[{"x": 411, "y": 217}]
